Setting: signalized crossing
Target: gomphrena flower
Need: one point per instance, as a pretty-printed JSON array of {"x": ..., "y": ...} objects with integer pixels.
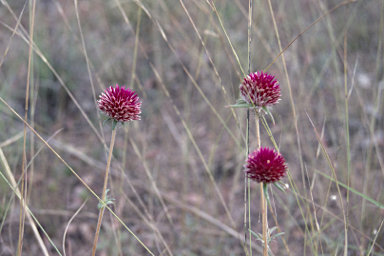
[
  {"x": 120, "y": 104},
  {"x": 260, "y": 90},
  {"x": 265, "y": 165}
]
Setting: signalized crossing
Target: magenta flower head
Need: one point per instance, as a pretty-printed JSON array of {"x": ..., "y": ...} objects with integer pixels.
[
  {"x": 260, "y": 90},
  {"x": 120, "y": 104},
  {"x": 265, "y": 165}
]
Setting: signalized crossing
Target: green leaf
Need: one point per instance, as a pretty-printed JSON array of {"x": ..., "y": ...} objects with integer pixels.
[
  {"x": 352, "y": 190},
  {"x": 114, "y": 123},
  {"x": 269, "y": 113},
  {"x": 106, "y": 120},
  {"x": 266, "y": 195},
  {"x": 101, "y": 205},
  {"x": 271, "y": 230},
  {"x": 107, "y": 201},
  {"x": 258, "y": 236},
  {"x": 241, "y": 105},
  {"x": 240, "y": 101},
  {"x": 279, "y": 187},
  {"x": 276, "y": 235}
]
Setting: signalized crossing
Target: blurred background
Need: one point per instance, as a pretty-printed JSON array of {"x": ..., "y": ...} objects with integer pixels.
[{"x": 186, "y": 59}]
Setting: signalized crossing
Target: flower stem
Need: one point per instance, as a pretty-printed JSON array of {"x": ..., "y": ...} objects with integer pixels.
[
  {"x": 101, "y": 213},
  {"x": 264, "y": 210},
  {"x": 246, "y": 185},
  {"x": 262, "y": 196}
]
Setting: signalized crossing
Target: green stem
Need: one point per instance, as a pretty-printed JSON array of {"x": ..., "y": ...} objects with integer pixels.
[{"x": 246, "y": 186}]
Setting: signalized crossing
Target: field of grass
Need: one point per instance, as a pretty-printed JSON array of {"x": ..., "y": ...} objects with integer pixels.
[{"x": 177, "y": 175}]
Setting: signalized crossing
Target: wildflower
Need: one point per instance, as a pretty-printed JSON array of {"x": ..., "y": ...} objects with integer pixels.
[
  {"x": 120, "y": 104},
  {"x": 260, "y": 90},
  {"x": 265, "y": 165}
]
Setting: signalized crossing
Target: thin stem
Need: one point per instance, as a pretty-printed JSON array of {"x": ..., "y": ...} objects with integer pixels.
[
  {"x": 264, "y": 219},
  {"x": 248, "y": 185},
  {"x": 258, "y": 130},
  {"x": 246, "y": 181},
  {"x": 347, "y": 139},
  {"x": 249, "y": 214},
  {"x": 24, "y": 180},
  {"x": 263, "y": 200},
  {"x": 101, "y": 213}
]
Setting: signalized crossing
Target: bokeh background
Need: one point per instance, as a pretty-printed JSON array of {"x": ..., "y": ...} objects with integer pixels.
[{"x": 186, "y": 59}]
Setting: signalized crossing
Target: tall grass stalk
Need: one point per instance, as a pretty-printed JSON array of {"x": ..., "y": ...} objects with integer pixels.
[
  {"x": 17, "y": 191},
  {"x": 158, "y": 77},
  {"x": 247, "y": 188},
  {"x": 24, "y": 180},
  {"x": 346, "y": 99},
  {"x": 185, "y": 78}
]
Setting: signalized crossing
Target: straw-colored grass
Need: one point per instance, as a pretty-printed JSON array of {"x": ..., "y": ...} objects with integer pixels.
[{"x": 177, "y": 175}]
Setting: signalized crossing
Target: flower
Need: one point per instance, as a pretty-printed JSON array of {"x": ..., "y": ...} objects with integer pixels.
[
  {"x": 265, "y": 165},
  {"x": 120, "y": 104},
  {"x": 260, "y": 90}
]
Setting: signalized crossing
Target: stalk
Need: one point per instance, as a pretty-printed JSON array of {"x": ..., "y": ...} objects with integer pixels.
[{"x": 101, "y": 213}]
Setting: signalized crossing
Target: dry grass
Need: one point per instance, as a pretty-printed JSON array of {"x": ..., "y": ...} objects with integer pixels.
[{"x": 181, "y": 63}]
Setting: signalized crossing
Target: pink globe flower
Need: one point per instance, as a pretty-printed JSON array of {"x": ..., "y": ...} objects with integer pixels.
[
  {"x": 120, "y": 104},
  {"x": 265, "y": 165},
  {"x": 260, "y": 89}
]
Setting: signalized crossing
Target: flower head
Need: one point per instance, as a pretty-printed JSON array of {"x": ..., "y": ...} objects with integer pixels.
[
  {"x": 120, "y": 104},
  {"x": 260, "y": 89},
  {"x": 265, "y": 165}
]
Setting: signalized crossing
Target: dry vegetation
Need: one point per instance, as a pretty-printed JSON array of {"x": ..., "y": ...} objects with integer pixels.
[{"x": 181, "y": 64}]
